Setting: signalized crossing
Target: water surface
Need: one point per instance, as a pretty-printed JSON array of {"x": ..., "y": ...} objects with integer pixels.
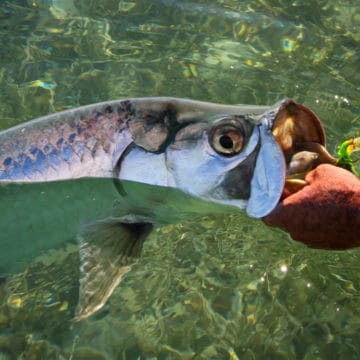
[{"x": 222, "y": 286}]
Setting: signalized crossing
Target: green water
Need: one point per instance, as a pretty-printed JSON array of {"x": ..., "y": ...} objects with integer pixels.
[{"x": 220, "y": 287}]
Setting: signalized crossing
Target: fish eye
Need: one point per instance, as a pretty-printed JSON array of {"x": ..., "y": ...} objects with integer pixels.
[{"x": 227, "y": 140}]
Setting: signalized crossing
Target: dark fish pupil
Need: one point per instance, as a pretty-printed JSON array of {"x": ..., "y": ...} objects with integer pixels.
[{"x": 226, "y": 142}]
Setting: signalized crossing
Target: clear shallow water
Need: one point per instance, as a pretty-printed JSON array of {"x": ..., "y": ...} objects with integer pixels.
[{"x": 221, "y": 287}]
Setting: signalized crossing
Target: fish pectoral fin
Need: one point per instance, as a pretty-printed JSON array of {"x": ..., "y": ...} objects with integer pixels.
[{"x": 107, "y": 251}]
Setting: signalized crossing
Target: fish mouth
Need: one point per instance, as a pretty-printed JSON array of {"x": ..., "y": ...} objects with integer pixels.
[
  {"x": 268, "y": 175},
  {"x": 295, "y": 129},
  {"x": 301, "y": 137}
]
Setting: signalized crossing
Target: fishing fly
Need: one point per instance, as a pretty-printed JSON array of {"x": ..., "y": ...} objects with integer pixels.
[{"x": 345, "y": 152}]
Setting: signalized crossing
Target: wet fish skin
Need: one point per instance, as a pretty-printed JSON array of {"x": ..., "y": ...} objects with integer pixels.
[
  {"x": 71, "y": 144},
  {"x": 87, "y": 141},
  {"x": 94, "y": 141}
]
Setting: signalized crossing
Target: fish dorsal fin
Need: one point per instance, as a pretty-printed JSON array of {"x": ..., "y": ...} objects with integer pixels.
[{"x": 107, "y": 251}]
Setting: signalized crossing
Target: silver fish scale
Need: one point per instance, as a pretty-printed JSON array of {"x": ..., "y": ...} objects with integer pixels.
[{"x": 43, "y": 150}]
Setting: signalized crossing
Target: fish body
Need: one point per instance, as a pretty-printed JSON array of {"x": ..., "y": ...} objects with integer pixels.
[
  {"x": 220, "y": 154},
  {"x": 160, "y": 141}
]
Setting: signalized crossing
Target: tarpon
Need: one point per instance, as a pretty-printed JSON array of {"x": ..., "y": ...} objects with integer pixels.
[{"x": 231, "y": 155}]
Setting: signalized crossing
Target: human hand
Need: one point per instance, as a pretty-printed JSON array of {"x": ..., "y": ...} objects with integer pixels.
[{"x": 325, "y": 213}]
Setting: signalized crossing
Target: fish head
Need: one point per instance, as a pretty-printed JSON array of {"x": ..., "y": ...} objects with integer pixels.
[
  {"x": 223, "y": 160},
  {"x": 229, "y": 155}
]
